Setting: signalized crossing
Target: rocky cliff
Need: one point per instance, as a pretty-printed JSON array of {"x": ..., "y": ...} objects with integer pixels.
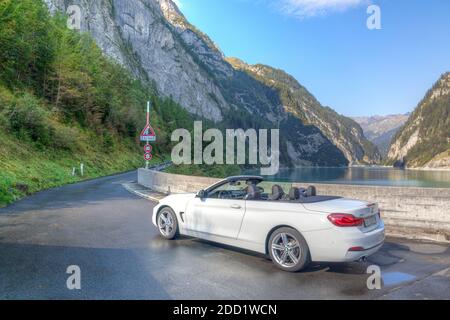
[
  {"x": 424, "y": 141},
  {"x": 381, "y": 129},
  {"x": 298, "y": 102},
  {"x": 155, "y": 41}
]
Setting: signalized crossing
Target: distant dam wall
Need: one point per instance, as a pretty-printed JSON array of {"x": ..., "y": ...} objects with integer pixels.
[{"x": 415, "y": 213}]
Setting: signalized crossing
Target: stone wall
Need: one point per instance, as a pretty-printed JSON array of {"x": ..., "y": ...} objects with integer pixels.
[
  {"x": 172, "y": 183},
  {"x": 421, "y": 213}
]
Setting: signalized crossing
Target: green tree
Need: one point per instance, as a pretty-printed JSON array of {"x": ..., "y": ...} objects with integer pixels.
[{"x": 25, "y": 41}]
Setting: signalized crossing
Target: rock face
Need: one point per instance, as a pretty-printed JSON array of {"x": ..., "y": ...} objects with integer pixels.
[
  {"x": 381, "y": 129},
  {"x": 136, "y": 34},
  {"x": 297, "y": 102},
  {"x": 154, "y": 40},
  {"x": 424, "y": 141}
]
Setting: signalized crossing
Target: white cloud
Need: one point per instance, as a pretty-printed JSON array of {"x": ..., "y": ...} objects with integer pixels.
[{"x": 311, "y": 8}]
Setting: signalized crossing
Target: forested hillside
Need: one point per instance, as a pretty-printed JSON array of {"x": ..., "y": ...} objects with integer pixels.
[
  {"x": 343, "y": 132},
  {"x": 424, "y": 141},
  {"x": 62, "y": 103}
]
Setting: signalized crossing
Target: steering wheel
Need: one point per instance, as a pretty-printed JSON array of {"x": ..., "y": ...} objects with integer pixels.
[{"x": 222, "y": 194}]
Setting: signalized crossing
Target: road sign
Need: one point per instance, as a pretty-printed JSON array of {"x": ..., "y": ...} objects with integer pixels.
[
  {"x": 148, "y": 148},
  {"x": 148, "y": 134},
  {"x": 148, "y": 157}
]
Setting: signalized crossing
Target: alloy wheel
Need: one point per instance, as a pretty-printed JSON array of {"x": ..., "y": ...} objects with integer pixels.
[
  {"x": 165, "y": 223},
  {"x": 286, "y": 250}
]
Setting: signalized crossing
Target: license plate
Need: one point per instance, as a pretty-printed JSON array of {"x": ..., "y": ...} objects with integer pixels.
[{"x": 370, "y": 221}]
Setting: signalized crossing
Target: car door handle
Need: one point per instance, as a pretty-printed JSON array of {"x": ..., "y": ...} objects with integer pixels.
[{"x": 236, "y": 206}]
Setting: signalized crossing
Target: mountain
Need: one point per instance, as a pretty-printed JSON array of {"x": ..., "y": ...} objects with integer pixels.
[
  {"x": 424, "y": 141},
  {"x": 63, "y": 103},
  {"x": 154, "y": 40},
  {"x": 381, "y": 129},
  {"x": 343, "y": 132}
]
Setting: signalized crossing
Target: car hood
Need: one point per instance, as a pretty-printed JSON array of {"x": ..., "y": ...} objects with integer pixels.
[
  {"x": 356, "y": 207},
  {"x": 175, "y": 198}
]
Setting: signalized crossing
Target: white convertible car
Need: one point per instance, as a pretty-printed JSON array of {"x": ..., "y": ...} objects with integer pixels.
[{"x": 293, "y": 229}]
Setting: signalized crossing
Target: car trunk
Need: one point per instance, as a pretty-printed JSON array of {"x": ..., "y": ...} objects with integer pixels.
[{"x": 359, "y": 209}]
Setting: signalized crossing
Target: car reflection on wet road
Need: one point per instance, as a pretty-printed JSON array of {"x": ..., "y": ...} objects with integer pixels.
[{"x": 106, "y": 231}]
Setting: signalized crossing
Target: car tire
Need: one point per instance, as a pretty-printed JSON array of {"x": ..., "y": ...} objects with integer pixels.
[
  {"x": 288, "y": 250},
  {"x": 167, "y": 223}
]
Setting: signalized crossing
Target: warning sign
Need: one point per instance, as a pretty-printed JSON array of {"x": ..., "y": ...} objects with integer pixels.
[{"x": 148, "y": 134}]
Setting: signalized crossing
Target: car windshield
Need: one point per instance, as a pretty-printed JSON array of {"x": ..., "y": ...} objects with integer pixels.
[{"x": 231, "y": 190}]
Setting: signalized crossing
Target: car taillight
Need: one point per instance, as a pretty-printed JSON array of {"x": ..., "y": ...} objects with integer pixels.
[
  {"x": 345, "y": 220},
  {"x": 356, "y": 249}
]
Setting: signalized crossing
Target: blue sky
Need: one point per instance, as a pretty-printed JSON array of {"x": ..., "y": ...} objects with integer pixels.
[{"x": 326, "y": 45}]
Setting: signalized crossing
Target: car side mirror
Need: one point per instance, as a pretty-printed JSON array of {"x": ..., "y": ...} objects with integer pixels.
[{"x": 201, "y": 194}]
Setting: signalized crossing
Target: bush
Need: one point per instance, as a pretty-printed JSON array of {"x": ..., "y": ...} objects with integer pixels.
[
  {"x": 27, "y": 119},
  {"x": 65, "y": 138},
  {"x": 6, "y": 98},
  {"x": 4, "y": 123},
  {"x": 108, "y": 141}
]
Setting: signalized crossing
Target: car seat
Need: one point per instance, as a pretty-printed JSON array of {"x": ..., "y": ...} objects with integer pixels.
[
  {"x": 277, "y": 193},
  {"x": 294, "y": 194},
  {"x": 253, "y": 193},
  {"x": 311, "y": 191}
]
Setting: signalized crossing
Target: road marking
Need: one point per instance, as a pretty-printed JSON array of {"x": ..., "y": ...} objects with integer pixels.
[{"x": 128, "y": 186}]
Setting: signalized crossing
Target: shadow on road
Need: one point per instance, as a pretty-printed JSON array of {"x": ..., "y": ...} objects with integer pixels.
[{"x": 39, "y": 272}]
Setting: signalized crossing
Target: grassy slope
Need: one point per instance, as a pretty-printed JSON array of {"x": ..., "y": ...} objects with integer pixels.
[
  {"x": 25, "y": 169},
  {"x": 63, "y": 103}
]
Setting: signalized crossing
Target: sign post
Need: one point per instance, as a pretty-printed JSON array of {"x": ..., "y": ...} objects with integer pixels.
[{"x": 148, "y": 135}]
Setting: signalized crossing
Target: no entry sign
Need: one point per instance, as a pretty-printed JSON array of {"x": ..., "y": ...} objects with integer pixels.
[
  {"x": 148, "y": 148},
  {"x": 148, "y": 156}
]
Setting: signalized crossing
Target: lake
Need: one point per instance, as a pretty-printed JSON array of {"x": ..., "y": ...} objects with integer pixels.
[{"x": 377, "y": 176}]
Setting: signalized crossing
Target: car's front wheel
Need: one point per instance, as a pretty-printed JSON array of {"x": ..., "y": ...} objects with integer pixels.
[
  {"x": 288, "y": 250},
  {"x": 167, "y": 224}
]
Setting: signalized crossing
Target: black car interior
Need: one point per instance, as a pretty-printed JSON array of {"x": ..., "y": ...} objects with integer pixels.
[{"x": 251, "y": 190}]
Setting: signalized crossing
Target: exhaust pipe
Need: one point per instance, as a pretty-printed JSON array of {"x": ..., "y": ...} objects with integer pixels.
[{"x": 362, "y": 259}]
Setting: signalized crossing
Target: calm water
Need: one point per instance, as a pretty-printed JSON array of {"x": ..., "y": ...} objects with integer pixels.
[{"x": 364, "y": 176}]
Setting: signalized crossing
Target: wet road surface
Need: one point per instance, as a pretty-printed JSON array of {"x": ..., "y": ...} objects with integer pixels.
[{"x": 107, "y": 232}]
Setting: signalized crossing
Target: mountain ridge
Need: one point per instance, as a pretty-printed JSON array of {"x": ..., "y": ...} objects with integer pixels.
[
  {"x": 424, "y": 141},
  {"x": 155, "y": 41},
  {"x": 299, "y": 101},
  {"x": 381, "y": 129}
]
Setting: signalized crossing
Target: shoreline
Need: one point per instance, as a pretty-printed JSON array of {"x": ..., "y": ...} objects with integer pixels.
[
  {"x": 429, "y": 169},
  {"x": 369, "y": 167},
  {"x": 377, "y": 176}
]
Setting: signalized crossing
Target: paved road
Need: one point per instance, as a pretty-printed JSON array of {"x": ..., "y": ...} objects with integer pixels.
[{"x": 107, "y": 231}]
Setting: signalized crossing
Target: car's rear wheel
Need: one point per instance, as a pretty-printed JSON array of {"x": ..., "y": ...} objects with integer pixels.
[
  {"x": 167, "y": 223},
  {"x": 288, "y": 250}
]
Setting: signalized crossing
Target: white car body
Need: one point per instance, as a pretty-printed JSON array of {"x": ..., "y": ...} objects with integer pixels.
[{"x": 248, "y": 224}]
